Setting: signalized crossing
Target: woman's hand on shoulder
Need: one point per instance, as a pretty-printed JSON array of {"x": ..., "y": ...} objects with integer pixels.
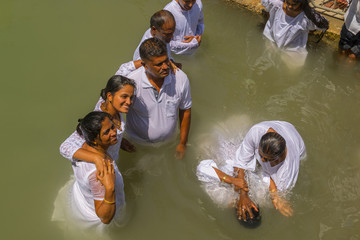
[
  {"x": 99, "y": 161},
  {"x": 107, "y": 179}
]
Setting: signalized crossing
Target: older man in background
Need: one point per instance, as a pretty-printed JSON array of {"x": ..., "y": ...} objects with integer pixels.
[
  {"x": 189, "y": 20},
  {"x": 162, "y": 26}
]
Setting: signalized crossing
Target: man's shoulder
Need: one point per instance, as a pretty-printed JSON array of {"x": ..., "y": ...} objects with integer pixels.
[
  {"x": 137, "y": 74},
  {"x": 146, "y": 35},
  {"x": 171, "y": 6},
  {"x": 180, "y": 76}
]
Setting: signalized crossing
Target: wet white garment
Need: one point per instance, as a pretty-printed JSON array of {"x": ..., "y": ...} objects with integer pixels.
[
  {"x": 352, "y": 17},
  {"x": 222, "y": 194},
  {"x": 153, "y": 115},
  {"x": 285, "y": 173},
  {"x": 74, "y": 205},
  {"x": 86, "y": 189},
  {"x": 148, "y": 35},
  {"x": 287, "y": 32},
  {"x": 75, "y": 141},
  {"x": 125, "y": 69},
  {"x": 188, "y": 23}
]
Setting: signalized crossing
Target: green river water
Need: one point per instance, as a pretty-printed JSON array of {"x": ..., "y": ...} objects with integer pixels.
[{"x": 55, "y": 56}]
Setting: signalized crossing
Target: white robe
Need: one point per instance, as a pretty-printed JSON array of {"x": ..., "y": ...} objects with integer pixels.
[
  {"x": 287, "y": 32},
  {"x": 284, "y": 174},
  {"x": 188, "y": 23}
]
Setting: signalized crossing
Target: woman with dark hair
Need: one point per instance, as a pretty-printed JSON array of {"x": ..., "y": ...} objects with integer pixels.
[
  {"x": 115, "y": 99},
  {"x": 290, "y": 22},
  {"x": 277, "y": 147},
  {"x": 91, "y": 203}
]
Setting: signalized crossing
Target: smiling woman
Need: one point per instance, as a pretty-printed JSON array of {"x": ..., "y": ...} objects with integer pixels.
[
  {"x": 115, "y": 99},
  {"x": 92, "y": 203}
]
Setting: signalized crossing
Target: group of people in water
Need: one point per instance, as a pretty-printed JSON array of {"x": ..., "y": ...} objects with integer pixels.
[{"x": 154, "y": 93}]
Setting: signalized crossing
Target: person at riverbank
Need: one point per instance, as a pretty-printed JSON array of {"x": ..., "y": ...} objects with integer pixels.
[
  {"x": 92, "y": 199},
  {"x": 289, "y": 24},
  {"x": 160, "y": 98},
  {"x": 115, "y": 99},
  {"x": 278, "y": 148},
  {"x": 162, "y": 26},
  {"x": 349, "y": 43},
  {"x": 189, "y": 28}
]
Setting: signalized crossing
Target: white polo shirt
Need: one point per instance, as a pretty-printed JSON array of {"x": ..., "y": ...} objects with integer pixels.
[
  {"x": 188, "y": 23},
  {"x": 152, "y": 117},
  {"x": 148, "y": 35}
]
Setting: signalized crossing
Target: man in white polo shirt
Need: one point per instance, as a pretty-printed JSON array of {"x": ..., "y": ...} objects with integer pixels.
[
  {"x": 160, "y": 97},
  {"x": 189, "y": 28}
]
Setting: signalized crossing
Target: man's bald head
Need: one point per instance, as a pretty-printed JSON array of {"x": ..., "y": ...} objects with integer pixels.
[
  {"x": 160, "y": 17},
  {"x": 162, "y": 25}
]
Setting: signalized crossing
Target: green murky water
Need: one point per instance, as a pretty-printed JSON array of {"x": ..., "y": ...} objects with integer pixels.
[{"x": 55, "y": 56}]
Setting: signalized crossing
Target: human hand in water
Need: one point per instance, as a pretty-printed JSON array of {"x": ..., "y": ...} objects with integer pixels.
[
  {"x": 245, "y": 205},
  {"x": 282, "y": 205},
  {"x": 180, "y": 151},
  {"x": 188, "y": 39},
  {"x": 107, "y": 179},
  {"x": 127, "y": 146}
]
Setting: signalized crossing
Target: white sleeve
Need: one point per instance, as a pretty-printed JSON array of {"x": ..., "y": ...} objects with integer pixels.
[
  {"x": 245, "y": 155},
  {"x": 200, "y": 27},
  {"x": 205, "y": 171},
  {"x": 268, "y": 4},
  {"x": 178, "y": 47},
  {"x": 186, "y": 100},
  {"x": 97, "y": 189},
  {"x": 71, "y": 145},
  {"x": 126, "y": 68}
]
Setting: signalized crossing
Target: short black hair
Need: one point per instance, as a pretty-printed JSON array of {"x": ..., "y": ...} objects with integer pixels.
[{"x": 152, "y": 47}]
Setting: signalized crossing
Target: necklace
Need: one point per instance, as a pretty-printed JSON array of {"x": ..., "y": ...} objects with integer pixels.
[{"x": 116, "y": 118}]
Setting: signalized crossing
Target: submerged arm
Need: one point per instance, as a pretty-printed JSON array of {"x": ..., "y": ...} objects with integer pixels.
[{"x": 280, "y": 203}]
